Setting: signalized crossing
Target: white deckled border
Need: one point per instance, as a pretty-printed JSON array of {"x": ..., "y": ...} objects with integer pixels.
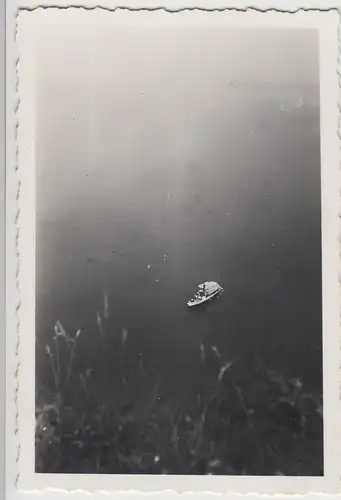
[
  {"x": 176, "y": 5},
  {"x": 327, "y": 22}
]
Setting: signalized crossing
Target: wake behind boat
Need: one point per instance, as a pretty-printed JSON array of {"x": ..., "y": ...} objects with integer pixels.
[{"x": 206, "y": 291}]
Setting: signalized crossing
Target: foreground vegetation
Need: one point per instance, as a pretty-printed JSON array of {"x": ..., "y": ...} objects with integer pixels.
[{"x": 241, "y": 423}]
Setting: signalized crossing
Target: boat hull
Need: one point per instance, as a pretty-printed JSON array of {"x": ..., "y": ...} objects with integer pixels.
[{"x": 204, "y": 299}]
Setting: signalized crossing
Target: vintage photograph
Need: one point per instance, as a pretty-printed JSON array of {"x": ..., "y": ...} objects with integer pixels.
[
  {"x": 178, "y": 306},
  {"x": 178, "y": 252},
  {"x": 176, "y": 215}
]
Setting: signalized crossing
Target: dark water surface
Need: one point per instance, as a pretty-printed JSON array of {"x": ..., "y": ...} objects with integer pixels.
[{"x": 234, "y": 197}]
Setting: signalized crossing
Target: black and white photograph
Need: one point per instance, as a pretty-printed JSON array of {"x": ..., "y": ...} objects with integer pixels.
[
  {"x": 174, "y": 209},
  {"x": 178, "y": 303}
]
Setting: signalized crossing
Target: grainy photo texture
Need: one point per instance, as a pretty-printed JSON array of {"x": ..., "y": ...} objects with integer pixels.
[
  {"x": 178, "y": 247},
  {"x": 178, "y": 252}
]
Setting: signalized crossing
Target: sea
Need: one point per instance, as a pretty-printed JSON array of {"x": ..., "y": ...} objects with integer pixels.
[{"x": 138, "y": 221}]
